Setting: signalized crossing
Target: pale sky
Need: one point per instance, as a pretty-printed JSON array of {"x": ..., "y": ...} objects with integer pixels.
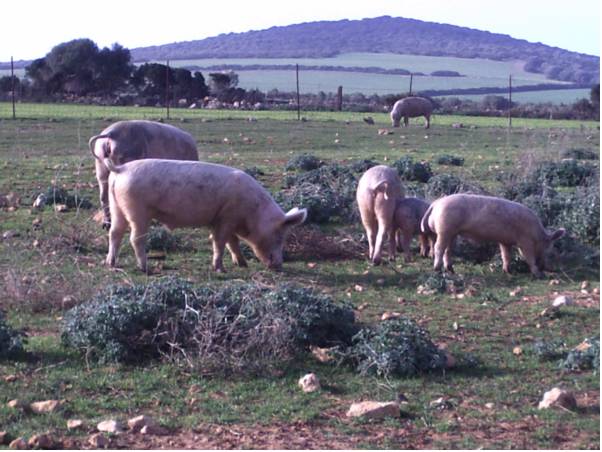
[{"x": 29, "y": 29}]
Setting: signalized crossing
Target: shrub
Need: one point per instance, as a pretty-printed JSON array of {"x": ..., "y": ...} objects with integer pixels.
[
  {"x": 160, "y": 239},
  {"x": 233, "y": 327},
  {"x": 579, "y": 154},
  {"x": 253, "y": 171},
  {"x": 549, "y": 350},
  {"x": 443, "y": 185},
  {"x": 438, "y": 282},
  {"x": 11, "y": 340},
  {"x": 447, "y": 159},
  {"x": 395, "y": 347},
  {"x": 410, "y": 171},
  {"x": 586, "y": 359},
  {"x": 566, "y": 173},
  {"x": 58, "y": 195},
  {"x": 303, "y": 162}
]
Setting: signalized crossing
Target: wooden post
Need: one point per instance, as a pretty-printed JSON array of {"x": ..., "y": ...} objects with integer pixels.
[
  {"x": 411, "y": 77},
  {"x": 298, "y": 101},
  {"x": 167, "y": 88},
  {"x": 340, "y": 98},
  {"x": 12, "y": 80},
  {"x": 510, "y": 101}
]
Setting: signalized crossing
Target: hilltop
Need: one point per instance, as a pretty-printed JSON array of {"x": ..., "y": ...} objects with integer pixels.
[{"x": 382, "y": 35}]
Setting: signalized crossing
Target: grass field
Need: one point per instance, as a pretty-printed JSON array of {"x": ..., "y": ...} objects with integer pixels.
[{"x": 58, "y": 262}]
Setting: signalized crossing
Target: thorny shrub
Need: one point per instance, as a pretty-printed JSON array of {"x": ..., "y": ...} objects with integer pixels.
[
  {"x": 303, "y": 162},
  {"x": 410, "y": 171},
  {"x": 11, "y": 340}
]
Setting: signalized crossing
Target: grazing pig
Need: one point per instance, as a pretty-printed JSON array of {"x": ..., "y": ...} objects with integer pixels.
[
  {"x": 378, "y": 191},
  {"x": 408, "y": 213},
  {"x": 125, "y": 141},
  {"x": 192, "y": 194},
  {"x": 411, "y": 107},
  {"x": 486, "y": 218}
]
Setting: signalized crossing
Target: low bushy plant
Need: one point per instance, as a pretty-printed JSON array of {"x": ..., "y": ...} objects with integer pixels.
[
  {"x": 566, "y": 173},
  {"x": 303, "y": 162},
  {"x": 440, "y": 282},
  {"x": 58, "y": 195},
  {"x": 447, "y": 159},
  {"x": 395, "y": 347},
  {"x": 447, "y": 184},
  {"x": 584, "y": 359},
  {"x": 579, "y": 154},
  {"x": 413, "y": 171},
  {"x": 160, "y": 239},
  {"x": 11, "y": 340},
  {"x": 323, "y": 204}
]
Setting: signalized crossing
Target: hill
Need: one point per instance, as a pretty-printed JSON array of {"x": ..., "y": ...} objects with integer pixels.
[{"x": 382, "y": 35}]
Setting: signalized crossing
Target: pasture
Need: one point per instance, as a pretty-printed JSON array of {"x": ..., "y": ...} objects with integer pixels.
[{"x": 51, "y": 261}]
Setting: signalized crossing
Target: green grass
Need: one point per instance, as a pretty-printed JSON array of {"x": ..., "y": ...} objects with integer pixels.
[{"x": 67, "y": 262}]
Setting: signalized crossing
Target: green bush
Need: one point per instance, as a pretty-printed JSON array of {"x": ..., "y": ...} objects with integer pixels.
[
  {"x": 445, "y": 184},
  {"x": 447, "y": 159},
  {"x": 323, "y": 204},
  {"x": 395, "y": 347},
  {"x": 58, "y": 195},
  {"x": 579, "y": 154},
  {"x": 11, "y": 340},
  {"x": 160, "y": 239},
  {"x": 440, "y": 282},
  {"x": 566, "y": 173},
  {"x": 303, "y": 162},
  {"x": 410, "y": 171},
  {"x": 584, "y": 359},
  {"x": 233, "y": 327}
]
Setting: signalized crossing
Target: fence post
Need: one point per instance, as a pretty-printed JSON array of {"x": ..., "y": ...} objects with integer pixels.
[
  {"x": 298, "y": 101},
  {"x": 167, "y": 88},
  {"x": 510, "y": 101},
  {"x": 340, "y": 98},
  {"x": 12, "y": 80},
  {"x": 411, "y": 78}
]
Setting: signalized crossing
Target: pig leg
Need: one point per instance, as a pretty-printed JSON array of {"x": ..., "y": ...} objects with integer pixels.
[
  {"x": 116, "y": 233},
  {"x": 441, "y": 246},
  {"x": 447, "y": 256},
  {"x": 380, "y": 235},
  {"x": 392, "y": 245},
  {"x": 102, "y": 176},
  {"x": 399, "y": 240},
  {"x": 506, "y": 253},
  {"x": 407, "y": 239},
  {"x": 424, "y": 245},
  {"x": 371, "y": 229},
  {"x": 528, "y": 254},
  {"x": 138, "y": 241},
  {"x": 220, "y": 236},
  {"x": 234, "y": 248}
]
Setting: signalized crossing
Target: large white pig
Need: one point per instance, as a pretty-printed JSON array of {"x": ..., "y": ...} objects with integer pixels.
[
  {"x": 125, "y": 141},
  {"x": 193, "y": 194},
  {"x": 378, "y": 191},
  {"x": 487, "y": 218}
]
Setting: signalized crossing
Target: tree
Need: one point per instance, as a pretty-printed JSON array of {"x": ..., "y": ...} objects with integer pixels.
[
  {"x": 113, "y": 68},
  {"x": 7, "y": 82},
  {"x": 222, "y": 81}
]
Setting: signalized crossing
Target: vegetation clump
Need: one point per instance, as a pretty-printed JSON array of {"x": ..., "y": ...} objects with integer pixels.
[
  {"x": 395, "y": 347},
  {"x": 413, "y": 171},
  {"x": 579, "y": 154},
  {"x": 58, "y": 195},
  {"x": 323, "y": 203},
  {"x": 447, "y": 159},
  {"x": 159, "y": 238},
  {"x": 11, "y": 340},
  {"x": 448, "y": 184},
  {"x": 303, "y": 162}
]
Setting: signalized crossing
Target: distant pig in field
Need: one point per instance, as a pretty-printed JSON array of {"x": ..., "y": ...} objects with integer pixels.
[
  {"x": 486, "y": 218},
  {"x": 125, "y": 141},
  {"x": 378, "y": 191},
  {"x": 411, "y": 107},
  {"x": 408, "y": 213},
  {"x": 193, "y": 194}
]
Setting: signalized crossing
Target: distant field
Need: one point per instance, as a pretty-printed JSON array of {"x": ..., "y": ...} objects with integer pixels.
[{"x": 560, "y": 96}]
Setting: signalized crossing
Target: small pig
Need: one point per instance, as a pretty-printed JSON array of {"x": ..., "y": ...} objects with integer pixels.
[
  {"x": 486, "y": 218},
  {"x": 192, "y": 194},
  {"x": 378, "y": 191},
  {"x": 408, "y": 213}
]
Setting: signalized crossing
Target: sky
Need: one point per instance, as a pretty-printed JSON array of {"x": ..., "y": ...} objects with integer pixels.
[{"x": 30, "y": 29}]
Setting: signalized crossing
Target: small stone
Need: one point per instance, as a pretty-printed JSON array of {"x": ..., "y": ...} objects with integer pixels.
[
  {"x": 18, "y": 443},
  {"x": 596, "y": 290},
  {"x": 390, "y": 315},
  {"x": 489, "y": 405},
  {"x": 75, "y": 424},
  {"x": 517, "y": 350},
  {"x": 42, "y": 441},
  {"x": 584, "y": 284},
  {"x": 362, "y": 306},
  {"x": 558, "y": 397},
  {"x": 561, "y": 300},
  {"x": 554, "y": 282},
  {"x": 135, "y": 424},
  {"x": 46, "y": 406},
  {"x": 61, "y": 208},
  {"x": 517, "y": 291},
  {"x": 583, "y": 346},
  {"x": 309, "y": 383},
  {"x": 153, "y": 430},
  {"x": 98, "y": 441},
  {"x": 321, "y": 354},
  {"x": 10, "y": 378},
  {"x": 110, "y": 426},
  {"x": 373, "y": 410},
  {"x": 9, "y": 234},
  {"x": 358, "y": 288},
  {"x": 16, "y": 404}
]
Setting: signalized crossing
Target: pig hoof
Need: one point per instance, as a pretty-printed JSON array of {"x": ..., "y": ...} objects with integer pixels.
[{"x": 106, "y": 225}]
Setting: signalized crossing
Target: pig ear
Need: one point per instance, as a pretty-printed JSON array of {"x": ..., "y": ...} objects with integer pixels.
[
  {"x": 295, "y": 217},
  {"x": 557, "y": 234}
]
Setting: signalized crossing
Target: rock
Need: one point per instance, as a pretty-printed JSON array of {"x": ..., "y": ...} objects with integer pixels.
[
  {"x": 10, "y": 378},
  {"x": 517, "y": 350},
  {"x": 98, "y": 441},
  {"x": 457, "y": 125},
  {"x": 75, "y": 424},
  {"x": 153, "y": 430},
  {"x": 46, "y": 406},
  {"x": 489, "y": 405},
  {"x": 373, "y": 410},
  {"x": 561, "y": 300},
  {"x": 42, "y": 441},
  {"x": 135, "y": 424},
  {"x": 61, "y": 208},
  {"x": 390, "y": 315},
  {"x": 110, "y": 426},
  {"x": 309, "y": 383},
  {"x": 558, "y": 397},
  {"x": 18, "y": 443},
  {"x": 321, "y": 354},
  {"x": 10, "y": 234},
  {"x": 554, "y": 282},
  {"x": 16, "y": 404},
  {"x": 517, "y": 291}
]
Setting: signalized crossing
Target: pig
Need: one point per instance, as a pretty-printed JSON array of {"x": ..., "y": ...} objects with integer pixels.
[
  {"x": 411, "y": 107},
  {"x": 377, "y": 194},
  {"x": 125, "y": 141},
  {"x": 408, "y": 213},
  {"x": 194, "y": 194},
  {"x": 487, "y": 218}
]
